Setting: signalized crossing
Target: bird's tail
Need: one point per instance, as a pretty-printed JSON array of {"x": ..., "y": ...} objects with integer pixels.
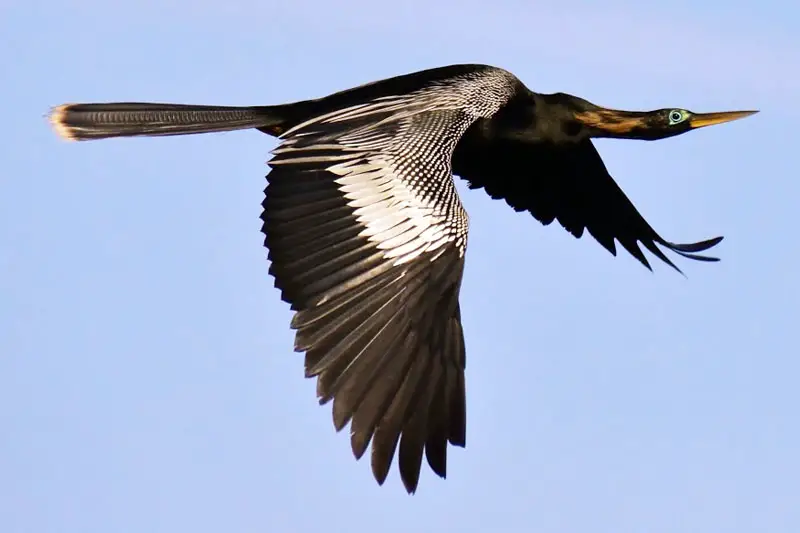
[{"x": 83, "y": 122}]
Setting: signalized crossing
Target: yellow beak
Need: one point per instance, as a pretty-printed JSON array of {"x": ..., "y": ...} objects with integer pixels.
[{"x": 701, "y": 120}]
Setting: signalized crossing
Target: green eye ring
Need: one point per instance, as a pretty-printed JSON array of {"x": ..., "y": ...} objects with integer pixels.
[{"x": 676, "y": 116}]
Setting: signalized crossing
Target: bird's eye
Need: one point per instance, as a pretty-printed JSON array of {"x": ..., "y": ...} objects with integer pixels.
[{"x": 676, "y": 115}]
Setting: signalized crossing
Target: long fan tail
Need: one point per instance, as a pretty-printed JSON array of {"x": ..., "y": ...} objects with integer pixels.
[{"x": 83, "y": 122}]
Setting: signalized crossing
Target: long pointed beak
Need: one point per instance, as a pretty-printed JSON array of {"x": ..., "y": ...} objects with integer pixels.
[{"x": 701, "y": 120}]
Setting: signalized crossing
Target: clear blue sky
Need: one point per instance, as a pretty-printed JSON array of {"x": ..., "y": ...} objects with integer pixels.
[{"x": 147, "y": 378}]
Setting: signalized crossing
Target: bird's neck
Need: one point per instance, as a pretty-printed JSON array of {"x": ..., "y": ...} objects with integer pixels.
[{"x": 610, "y": 123}]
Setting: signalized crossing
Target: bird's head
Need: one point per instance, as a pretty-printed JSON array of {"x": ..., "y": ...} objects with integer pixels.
[{"x": 650, "y": 125}]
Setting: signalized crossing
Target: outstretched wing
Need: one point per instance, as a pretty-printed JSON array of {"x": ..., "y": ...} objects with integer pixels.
[
  {"x": 367, "y": 237},
  {"x": 570, "y": 183}
]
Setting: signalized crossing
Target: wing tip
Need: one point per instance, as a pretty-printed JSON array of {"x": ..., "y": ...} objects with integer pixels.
[
  {"x": 686, "y": 250},
  {"x": 699, "y": 246},
  {"x": 690, "y": 250}
]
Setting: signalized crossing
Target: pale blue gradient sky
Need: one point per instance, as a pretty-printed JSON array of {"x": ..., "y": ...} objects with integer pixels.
[{"x": 147, "y": 379}]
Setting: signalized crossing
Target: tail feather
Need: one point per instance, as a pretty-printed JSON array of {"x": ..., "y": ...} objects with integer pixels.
[{"x": 130, "y": 119}]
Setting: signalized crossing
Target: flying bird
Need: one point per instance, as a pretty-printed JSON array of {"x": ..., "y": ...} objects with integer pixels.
[{"x": 366, "y": 234}]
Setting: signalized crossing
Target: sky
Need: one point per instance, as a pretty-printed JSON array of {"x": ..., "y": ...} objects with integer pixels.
[{"x": 147, "y": 378}]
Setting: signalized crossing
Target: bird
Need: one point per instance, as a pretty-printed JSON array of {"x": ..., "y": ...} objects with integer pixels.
[{"x": 366, "y": 234}]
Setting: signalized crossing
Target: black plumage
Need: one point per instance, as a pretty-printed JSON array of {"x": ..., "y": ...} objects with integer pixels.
[{"x": 367, "y": 236}]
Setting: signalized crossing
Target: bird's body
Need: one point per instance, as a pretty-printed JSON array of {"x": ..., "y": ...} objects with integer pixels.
[{"x": 367, "y": 236}]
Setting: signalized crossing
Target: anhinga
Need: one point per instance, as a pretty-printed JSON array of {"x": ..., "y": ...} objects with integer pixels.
[{"x": 366, "y": 233}]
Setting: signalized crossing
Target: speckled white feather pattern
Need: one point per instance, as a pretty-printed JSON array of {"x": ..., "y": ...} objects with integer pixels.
[{"x": 392, "y": 158}]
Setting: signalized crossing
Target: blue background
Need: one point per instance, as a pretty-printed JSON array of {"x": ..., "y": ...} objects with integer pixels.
[{"x": 147, "y": 379}]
